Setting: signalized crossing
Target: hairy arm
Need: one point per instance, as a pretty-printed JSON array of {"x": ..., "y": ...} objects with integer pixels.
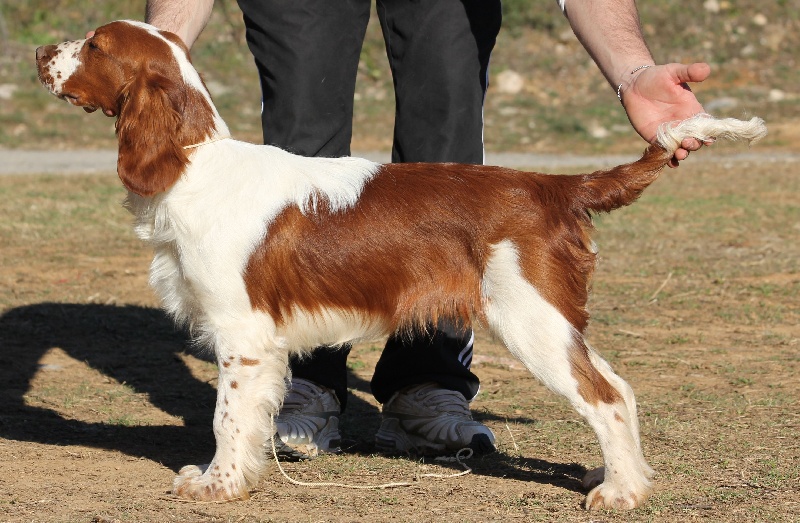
[
  {"x": 611, "y": 33},
  {"x": 185, "y": 18}
]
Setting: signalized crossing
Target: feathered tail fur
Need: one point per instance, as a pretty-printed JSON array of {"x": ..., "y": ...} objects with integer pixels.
[{"x": 604, "y": 191}]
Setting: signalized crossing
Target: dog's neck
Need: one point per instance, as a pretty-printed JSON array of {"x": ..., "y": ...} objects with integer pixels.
[{"x": 206, "y": 142}]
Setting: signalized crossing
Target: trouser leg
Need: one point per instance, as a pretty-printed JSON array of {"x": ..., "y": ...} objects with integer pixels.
[
  {"x": 307, "y": 52},
  {"x": 439, "y": 54}
]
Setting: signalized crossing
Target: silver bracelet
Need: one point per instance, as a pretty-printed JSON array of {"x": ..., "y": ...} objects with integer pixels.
[{"x": 619, "y": 87}]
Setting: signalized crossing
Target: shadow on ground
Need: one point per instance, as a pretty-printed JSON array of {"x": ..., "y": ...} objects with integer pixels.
[{"x": 139, "y": 346}]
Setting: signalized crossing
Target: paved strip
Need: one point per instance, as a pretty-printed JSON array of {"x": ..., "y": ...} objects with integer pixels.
[
  {"x": 83, "y": 161},
  {"x": 104, "y": 161}
]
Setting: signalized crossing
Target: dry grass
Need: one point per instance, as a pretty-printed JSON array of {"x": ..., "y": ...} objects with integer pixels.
[
  {"x": 565, "y": 102},
  {"x": 695, "y": 301},
  {"x": 103, "y": 401}
]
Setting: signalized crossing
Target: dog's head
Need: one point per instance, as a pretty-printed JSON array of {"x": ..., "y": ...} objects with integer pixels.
[{"x": 145, "y": 78}]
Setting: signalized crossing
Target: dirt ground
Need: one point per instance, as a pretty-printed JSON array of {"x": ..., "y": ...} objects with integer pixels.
[{"x": 695, "y": 304}]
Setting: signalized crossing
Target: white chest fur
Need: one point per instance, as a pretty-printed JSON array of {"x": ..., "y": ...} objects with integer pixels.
[{"x": 205, "y": 228}]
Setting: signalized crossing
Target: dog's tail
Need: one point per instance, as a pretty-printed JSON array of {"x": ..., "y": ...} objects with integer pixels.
[{"x": 604, "y": 191}]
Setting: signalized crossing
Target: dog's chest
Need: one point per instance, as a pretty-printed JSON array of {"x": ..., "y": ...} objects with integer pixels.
[{"x": 200, "y": 251}]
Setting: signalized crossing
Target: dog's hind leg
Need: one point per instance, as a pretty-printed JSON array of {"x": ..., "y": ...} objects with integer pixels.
[
  {"x": 609, "y": 406},
  {"x": 251, "y": 388},
  {"x": 595, "y": 477},
  {"x": 556, "y": 353}
]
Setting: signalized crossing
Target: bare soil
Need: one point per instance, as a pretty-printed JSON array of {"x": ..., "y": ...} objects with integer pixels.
[
  {"x": 695, "y": 300},
  {"x": 695, "y": 304}
]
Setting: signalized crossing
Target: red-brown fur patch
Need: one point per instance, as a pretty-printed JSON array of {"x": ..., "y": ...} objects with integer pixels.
[
  {"x": 157, "y": 112},
  {"x": 415, "y": 245},
  {"x": 593, "y": 387}
]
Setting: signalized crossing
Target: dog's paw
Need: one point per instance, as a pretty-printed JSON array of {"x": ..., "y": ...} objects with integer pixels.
[
  {"x": 198, "y": 483},
  {"x": 614, "y": 497},
  {"x": 649, "y": 473}
]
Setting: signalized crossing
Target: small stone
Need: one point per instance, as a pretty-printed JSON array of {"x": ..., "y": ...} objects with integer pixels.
[
  {"x": 598, "y": 131},
  {"x": 7, "y": 91},
  {"x": 509, "y": 82},
  {"x": 776, "y": 95},
  {"x": 748, "y": 50}
]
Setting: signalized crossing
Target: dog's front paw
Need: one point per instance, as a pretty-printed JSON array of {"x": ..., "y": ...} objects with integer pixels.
[
  {"x": 200, "y": 483},
  {"x": 614, "y": 497}
]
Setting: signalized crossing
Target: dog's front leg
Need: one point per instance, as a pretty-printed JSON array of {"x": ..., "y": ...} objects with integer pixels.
[{"x": 250, "y": 390}]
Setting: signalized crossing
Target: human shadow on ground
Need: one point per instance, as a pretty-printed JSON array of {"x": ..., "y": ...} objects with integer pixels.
[{"x": 139, "y": 346}]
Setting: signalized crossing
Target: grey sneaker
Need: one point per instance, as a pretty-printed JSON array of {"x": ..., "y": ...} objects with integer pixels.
[
  {"x": 430, "y": 420},
  {"x": 308, "y": 424}
]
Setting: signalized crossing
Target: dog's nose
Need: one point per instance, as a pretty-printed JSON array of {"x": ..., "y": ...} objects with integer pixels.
[{"x": 44, "y": 51}]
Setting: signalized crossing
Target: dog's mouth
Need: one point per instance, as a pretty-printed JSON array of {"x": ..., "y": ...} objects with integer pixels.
[
  {"x": 76, "y": 100},
  {"x": 71, "y": 98}
]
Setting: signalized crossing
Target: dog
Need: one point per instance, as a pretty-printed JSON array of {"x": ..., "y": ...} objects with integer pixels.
[{"x": 264, "y": 254}]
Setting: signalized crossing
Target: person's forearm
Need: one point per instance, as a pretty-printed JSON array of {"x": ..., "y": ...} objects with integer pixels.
[
  {"x": 185, "y": 18},
  {"x": 611, "y": 33}
]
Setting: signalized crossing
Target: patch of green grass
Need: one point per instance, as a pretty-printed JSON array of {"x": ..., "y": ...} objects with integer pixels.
[
  {"x": 355, "y": 364},
  {"x": 678, "y": 339},
  {"x": 42, "y": 210},
  {"x": 123, "y": 392},
  {"x": 123, "y": 420},
  {"x": 561, "y": 96}
]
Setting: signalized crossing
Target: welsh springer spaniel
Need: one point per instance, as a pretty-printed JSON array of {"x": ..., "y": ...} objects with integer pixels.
[{"x": 264, "y": 254}]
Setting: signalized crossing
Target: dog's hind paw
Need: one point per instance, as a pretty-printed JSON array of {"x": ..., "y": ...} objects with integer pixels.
[
  {"x": 206, "y": 483},
  {"x": 614, "y": 497}
]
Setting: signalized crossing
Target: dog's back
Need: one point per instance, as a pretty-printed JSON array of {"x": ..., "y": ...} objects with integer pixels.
[{"x": 415, "y": 245}]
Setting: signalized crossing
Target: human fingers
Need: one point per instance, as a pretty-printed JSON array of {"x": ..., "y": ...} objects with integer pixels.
[
  {"x": 691, "y": 144},
  {"x": 679, "y": 156},
  {"x": 692, "y": 73}
]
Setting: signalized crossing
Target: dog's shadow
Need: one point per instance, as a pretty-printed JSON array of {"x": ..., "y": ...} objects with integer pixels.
[{"x": 140, "y": 347}]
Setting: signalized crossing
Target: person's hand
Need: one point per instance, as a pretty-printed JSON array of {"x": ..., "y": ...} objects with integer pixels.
[{"x": 660, "y": 94}]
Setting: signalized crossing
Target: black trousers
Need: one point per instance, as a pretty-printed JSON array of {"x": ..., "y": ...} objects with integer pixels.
[{"x": 307, "y": 54}]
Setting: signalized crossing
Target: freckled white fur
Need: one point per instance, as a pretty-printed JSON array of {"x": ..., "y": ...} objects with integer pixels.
[
  {"x": 204, "y": 229},
  {"x": 535, "y": 332},
  {"x": 65, "y": 61}
]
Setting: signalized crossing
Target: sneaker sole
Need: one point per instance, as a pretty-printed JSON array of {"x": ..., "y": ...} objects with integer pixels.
[
  {"x": 391, "y": 438},
  {"x": 288, "y": 453},
  {"x": 327, "y": 441}
]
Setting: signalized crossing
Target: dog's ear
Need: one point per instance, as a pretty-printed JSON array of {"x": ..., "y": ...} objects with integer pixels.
[{"x": 151, "y": 158}]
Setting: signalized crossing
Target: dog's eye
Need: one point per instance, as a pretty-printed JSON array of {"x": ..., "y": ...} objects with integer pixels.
[{"x": 92, "y": 45}]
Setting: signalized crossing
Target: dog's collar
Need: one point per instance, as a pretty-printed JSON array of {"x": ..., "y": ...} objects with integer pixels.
[{"x": 212, "y": 140}]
